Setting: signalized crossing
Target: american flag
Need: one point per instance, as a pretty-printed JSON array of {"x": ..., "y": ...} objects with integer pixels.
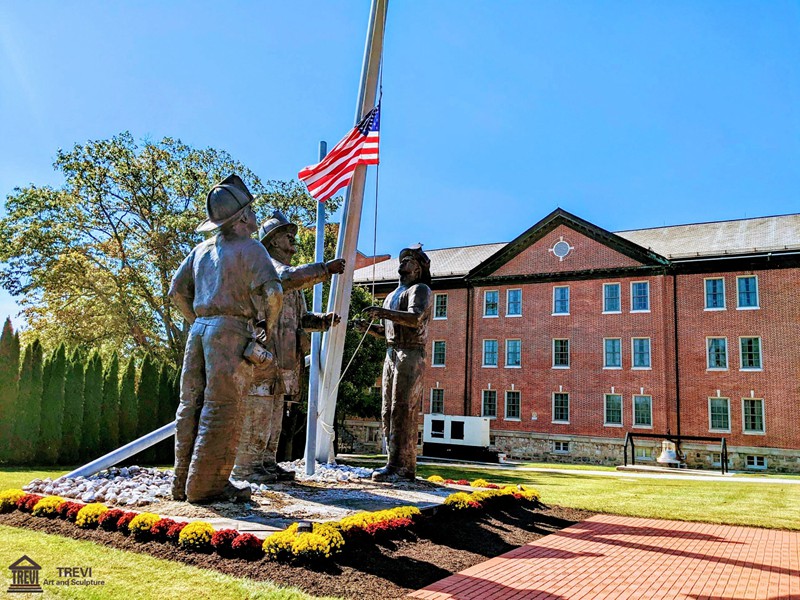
[{"x": 359, "y": 147}]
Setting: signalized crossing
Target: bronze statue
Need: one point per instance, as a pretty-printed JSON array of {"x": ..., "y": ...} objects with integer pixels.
[
  {"x": 256, "y": 459},
  {"x": 405, "y": 313},
  {"x": 223, "y": 287}
]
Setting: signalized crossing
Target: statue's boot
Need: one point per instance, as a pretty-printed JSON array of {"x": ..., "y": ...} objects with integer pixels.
[
  {"x": 179, "y": 487},
  {"x": 270, "y": 473},
  {"x": 235, "y": 491},
  {"x": 392, "y": 474},
  {"x": 283, "y": 474}
]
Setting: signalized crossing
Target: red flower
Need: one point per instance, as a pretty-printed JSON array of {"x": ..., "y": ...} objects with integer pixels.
[
  {"x": 388, "y": 525},
  {"x": 247, "y": 545},
  {"x": 160, "y": 529},
  {"x": 222, "y": 541},
  {"x": 462, "y": 482},
  {"x": 70, "y": 510},
  {"x": 27, "y": 502},
  {"x": 124, "y": 521},
  {"x": 108, "y": 520},
  {"x": 492, "y": 486},
  {"x": 175, "y": 530}
]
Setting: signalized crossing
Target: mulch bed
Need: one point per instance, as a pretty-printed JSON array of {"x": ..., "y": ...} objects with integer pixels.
[{"x": 437, "y": 548}]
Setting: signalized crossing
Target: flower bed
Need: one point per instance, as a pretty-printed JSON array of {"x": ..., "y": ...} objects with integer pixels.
[{"x": 324, "y": 541}]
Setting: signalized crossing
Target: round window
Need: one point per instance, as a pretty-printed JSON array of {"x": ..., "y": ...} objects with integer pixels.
[{"x": 561, "y": 249}]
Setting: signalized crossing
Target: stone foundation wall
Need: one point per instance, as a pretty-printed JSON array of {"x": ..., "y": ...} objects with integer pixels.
[{"x": 609, "y": 452}]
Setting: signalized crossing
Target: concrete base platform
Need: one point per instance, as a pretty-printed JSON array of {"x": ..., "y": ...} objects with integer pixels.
[{"x": 279, "y": 505}]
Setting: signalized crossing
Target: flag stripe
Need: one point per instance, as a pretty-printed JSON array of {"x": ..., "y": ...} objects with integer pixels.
[{"x": 335, "y": 171}]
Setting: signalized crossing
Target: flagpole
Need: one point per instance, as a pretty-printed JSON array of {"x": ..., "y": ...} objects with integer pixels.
[
  {"x": 346, "y": 245},
  {"x": 316, "y": 341}
]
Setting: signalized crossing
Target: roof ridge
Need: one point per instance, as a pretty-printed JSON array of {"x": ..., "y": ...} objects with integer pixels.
[{"x": 709, "y": 222}]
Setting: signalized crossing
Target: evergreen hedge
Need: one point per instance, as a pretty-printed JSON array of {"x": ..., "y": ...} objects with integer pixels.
[{"x": 69, "y": 409}]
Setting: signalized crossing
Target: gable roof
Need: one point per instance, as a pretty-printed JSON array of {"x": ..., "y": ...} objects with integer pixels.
[
  {"x": 549, "y": 223},
  {"x": 720, "y": 238}
]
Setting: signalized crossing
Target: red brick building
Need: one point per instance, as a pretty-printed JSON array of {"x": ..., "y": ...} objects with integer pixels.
[{"x": 571, "y": 336}]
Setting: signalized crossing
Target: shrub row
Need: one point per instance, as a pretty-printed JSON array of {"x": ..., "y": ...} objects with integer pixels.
[{"x": 71, "y": 405}]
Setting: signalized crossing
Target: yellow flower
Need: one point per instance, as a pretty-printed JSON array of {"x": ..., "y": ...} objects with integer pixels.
[
  {"x": 8, "y": 499},
  {"x": 196, "y": 536},
  {"x": 46, "y": 507},
  {"x": 436, "y": 479},
  {"x": 140, "y": 524},
  {"x": 90, "y": 514}
]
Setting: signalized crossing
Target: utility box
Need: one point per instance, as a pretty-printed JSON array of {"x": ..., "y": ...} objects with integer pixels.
[{"x": 458, "y": 437}]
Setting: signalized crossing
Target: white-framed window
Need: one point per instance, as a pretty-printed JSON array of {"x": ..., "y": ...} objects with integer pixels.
[
  {"x": 715, "y": 293},
  {"x": 513, "y": 353},
  {"x": 491, "y": 303},
  {"x": 560, "y": 407},
  {"x": 560, "y": 447},
  {"x": 437, "y": 401},
  {"x": 514, "y": 302},
  {"x": 717, "y": 355},
  {"x": 719, "y": 414},
  {"x": 560, "y": 354},
  {"x": 612, "y": 353},
  {"x": 489, "y": 353},
  {"x": 644, "y": 453},
  {"x": 439, "y": 353},
  {"x": 640, "y": 355},
  {"x": 612, "y": 302},
  {"x": 750, "y": 353},
  {"x": 755, "y": 462},
  {"x": 642, "y": 411},
  {"x": 561, "y": 300},
  {"x": 440, "y": 306},
  {"x": 613, "y": 410},
  {"x": 489, "y": 403},
  {"x": 753, "y": 415},
  {"x": 640, "y": 296},
  {"x": 513, "y": 405},
  {"x": 747, "y": 292}
]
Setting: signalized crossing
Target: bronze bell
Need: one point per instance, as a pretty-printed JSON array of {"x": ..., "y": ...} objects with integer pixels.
[{"x": 668, "y": 454}]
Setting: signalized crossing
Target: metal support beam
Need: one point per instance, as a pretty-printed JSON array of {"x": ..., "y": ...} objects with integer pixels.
[{"x": 130, "y": 449}]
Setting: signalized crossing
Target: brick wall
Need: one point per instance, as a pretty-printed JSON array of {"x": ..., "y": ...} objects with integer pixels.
[{"x": 776, "y": 322}]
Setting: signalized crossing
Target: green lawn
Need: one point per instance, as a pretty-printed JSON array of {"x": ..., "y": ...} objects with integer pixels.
[
  {"x": 127, "y": 574},
  {"x": 735, "y": 502}
]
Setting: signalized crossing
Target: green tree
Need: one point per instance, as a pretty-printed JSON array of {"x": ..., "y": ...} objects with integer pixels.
[
  {"x": 91, "y": 261},
  {"x": 50, "y": 434},
  {"x": 72, "y": 424},
  {"x": 128, "y": 408},
  {"x": 92, "y": 406},
  {"x": 147, "y": 401},
  {"x": 167, "y": 406},
  {"x": 29, "y": 405},
  {"x": 109, "y": 412},
  {"x": 9, "y": 382}
]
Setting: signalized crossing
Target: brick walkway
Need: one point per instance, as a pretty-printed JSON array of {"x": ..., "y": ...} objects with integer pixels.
[{"x": 618, "y": 557}]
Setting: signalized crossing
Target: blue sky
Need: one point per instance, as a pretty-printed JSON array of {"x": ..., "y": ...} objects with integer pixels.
[{"x": 629, "y": 114}]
